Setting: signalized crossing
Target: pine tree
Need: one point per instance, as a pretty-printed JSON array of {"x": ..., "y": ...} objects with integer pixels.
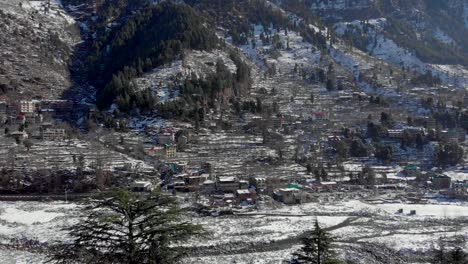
[
  {"x": 324, "y": 175},
  {"x": 316, "y": 248},
  {"x": 458, "y": 256},
  {"x": 127, "y": 228}
]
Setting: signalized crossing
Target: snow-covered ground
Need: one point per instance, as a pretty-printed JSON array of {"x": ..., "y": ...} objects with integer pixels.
[
  {"x": 42, "y": 222},
  {"x": 55, "y": 18},
  {"x": 299, "y": 52},
  {"x": 47, "y": 154},
  {"x": 21, "y": 257},
  {"x": 442, "y": 36},
  {"x": 457, "y": 175},
  {"x": 269, "y": 257},
  {"x": 273, "y": 231},
  {"x": 349, "y": 221}
]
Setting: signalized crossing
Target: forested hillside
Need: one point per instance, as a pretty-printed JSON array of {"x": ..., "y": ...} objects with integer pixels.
[
  {"x": 130, "y": 38},
  {"x": 150, "y": 37}
]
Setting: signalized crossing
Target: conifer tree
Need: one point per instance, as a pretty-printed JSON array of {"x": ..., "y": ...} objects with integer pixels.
[
  {"x": 316, "y": 248},
  {"x": 127, "y": 228}
]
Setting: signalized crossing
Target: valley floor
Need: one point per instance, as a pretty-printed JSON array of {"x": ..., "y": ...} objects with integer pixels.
[{"x": 271, "y": 233}]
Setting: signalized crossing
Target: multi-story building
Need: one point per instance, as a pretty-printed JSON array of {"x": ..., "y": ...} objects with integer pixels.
[
  {"x": 460, "y": 189},
  {"x": 27, "y": 107},
  {"x": 53, "y": 134},
  {"x": 228, "y": 184},
  {"x": 171, "y": 150}
]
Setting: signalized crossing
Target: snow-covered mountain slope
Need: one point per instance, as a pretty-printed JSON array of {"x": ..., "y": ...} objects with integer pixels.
[
  {"x": 165, "y": 80},
  {"x": 36, "y": 46},
  {"x": 416, "y": 34},
  {"x": 376, "y": 43}
]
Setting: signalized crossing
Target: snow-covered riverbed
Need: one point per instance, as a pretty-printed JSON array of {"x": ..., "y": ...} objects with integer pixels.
[{"x": 349, "y": 221}]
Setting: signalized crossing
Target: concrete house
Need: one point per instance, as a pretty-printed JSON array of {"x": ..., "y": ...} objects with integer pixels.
[
  {"x": 27, "y": 107},
  {"x": 441, "y": 182},
  {"x": 460, "y": 189},
  {"x": 288, "y": 195},
  {"x": 53, "y": 134},
  {"x": 249, "y": 196},
  {"x": 170, "y": 150},
  {"x": 228, "y": 184},
  {"x": 141, "y": 186}
]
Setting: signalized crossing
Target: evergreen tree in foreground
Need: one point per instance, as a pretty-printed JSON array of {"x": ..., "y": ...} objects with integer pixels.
[
  {"x": 442, "y": 255},
  {"x": 316, "y": 248},
  {"x": 127, "y": 228}
]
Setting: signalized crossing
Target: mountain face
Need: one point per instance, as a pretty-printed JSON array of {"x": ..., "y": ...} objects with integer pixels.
[
  {"x": 122, "y": 40},
  {"x": 36, "y": 44},
  {"x": 436, "y": 31}
]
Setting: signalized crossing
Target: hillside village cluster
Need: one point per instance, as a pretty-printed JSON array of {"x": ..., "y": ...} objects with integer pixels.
[
  {"x": 234, "y": 168},
  {"x": 291, "y": 143},
  {"x": 20, "y": 117}
]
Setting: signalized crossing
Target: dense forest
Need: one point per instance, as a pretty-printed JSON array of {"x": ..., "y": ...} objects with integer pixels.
[
  {"x": 238, "y": 16},
  {"x": 134, "y": 37},
  {"x": 218, "y": 90}
]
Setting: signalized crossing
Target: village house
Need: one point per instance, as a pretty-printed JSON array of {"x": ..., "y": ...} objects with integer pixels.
[
  {"x": 345, "y": 97},
  {"x": 261, "y": 184},
  {"x": 141, "y": 186},
  {"x": 414, "y": 131},
  {"x": 452, "y": 135},
  {"x": 194, "y": 183},
  {"x": 93, "y": 113},
  {"x": 228, "y": 184},
  {"x": 360, "y": 96},
  {"x": 427, "y": 122},
  {"x": 53, "y": 134},
  {"x": 178, "y": 166},
  {"x": 12, "y": 109},
  {"x": 206, "y": 167},
  {"x": 48, "y": 114},
  {"x": 19, "y": 119},
  {"x": 320, "y": 116},
  {"x": 411, "y": 170},
  {"x": 179, "y": 186},
  {"x": 288, "y": 195},
  {"x": 243, "y": 184},
  {"x": 249, "y": 196},
  {"x": 229, "y": 198},
  {"x": 166, "y": 138},
  {"x": 460, "y": 189},
  {"x": 27, "y": 107},
  {"x": 278, "y": 121},
  {"x": 395, "y": 133},
  {"x": 19, "y": 135},
  {"x": 208, "y": 187},
  {"x": 59, "y": 106},
  {"x": 399, "y": 132},
  {"x": 326, "y": 185},
  {"x": 441, "y": 182},
  {"x": 3, "y": 108},
  {"x": 170, "y": 150},
  {"x": 154, "y": 151}
]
